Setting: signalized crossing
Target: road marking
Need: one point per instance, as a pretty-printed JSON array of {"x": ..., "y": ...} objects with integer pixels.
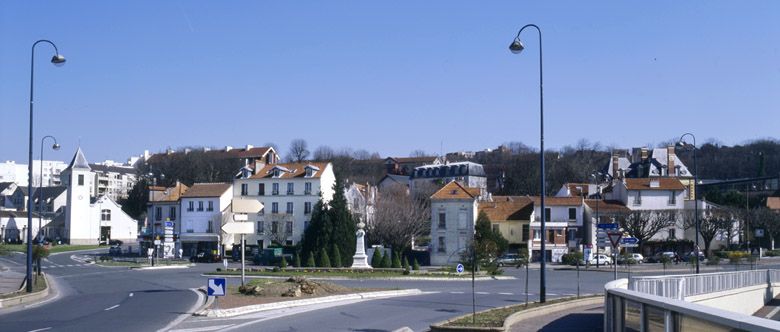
[
  {"x": 203, "y": 329},
  {"x": 506, "y": 293},
  {"x": 111, "y": 307},
  {"x": 131, "y": 294},
  {"x": 201, "y": 300},
  {"x": 456, "y": 292},
  {"x": 553, "y": 294},
  {"x": 773, "y": 312},
  {"x": 482, "y": 293},
  {"x": 39, "y": 330}
]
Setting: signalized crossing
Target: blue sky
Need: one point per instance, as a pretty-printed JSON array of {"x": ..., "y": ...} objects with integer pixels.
[{"x": 389, "y": 77}]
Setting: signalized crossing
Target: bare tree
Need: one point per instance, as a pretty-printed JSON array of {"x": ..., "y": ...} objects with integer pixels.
[
  {"x": 715, "y": 222},
  {"x": 398, "y": 218},
  {"x": 323, "y": 153},
  {"x": 644, "y": 224},
  {"x": 418, "y": 153},
  {"x": 361, "y": 154},
  {"x": 273, "y": 145},
  {"x": 298, "y": 151}
]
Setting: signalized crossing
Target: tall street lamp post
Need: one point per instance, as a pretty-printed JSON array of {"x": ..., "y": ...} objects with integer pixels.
[
  {"x": 682, "y": 143},
  {"x": 517, "y": 47},
  {"x": 55, "y": 147},
  {"x": 57, "y": 60}
]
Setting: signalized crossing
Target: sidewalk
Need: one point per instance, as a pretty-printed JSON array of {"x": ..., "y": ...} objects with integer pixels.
[
  {"x": 581, "y": 318},
  {"x": 10, "y": 281}
]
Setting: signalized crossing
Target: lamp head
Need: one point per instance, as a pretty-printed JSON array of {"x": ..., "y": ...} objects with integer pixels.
[
  {"x": 517, "y": 46},
  {"x": 681, "y": 144},
  {"x": 55, "y": 146},
  {"x": 58, "y": 60}
]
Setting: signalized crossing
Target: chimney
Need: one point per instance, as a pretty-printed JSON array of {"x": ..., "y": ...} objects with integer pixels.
[
  {"x": 655, "y": 183},
  {"x": 249, "y": 147},
  {"x": 670, "y": 158},
  {"x": 259, "y": 164},
  {"x": 615, "y": 165},
  {"x": 187, "y": 150},
  {"x": 146, "y": 155},
  {"x": 169, "y": 151},
  {"x": 228, "y": 148},
  {"x": 644, "y": 154}
]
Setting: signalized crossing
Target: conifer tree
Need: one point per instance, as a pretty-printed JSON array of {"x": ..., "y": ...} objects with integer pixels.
[
  {"x": 415, "y": 266},
  {"x": 297, "y": 262},
  {"x": 336, "y": 256},
  {"x": 324, "y": 259},
  {"x": 385, "y": 260},
  {"x": 405, "y": 263},
  {"x": 396, "y": 261},
  {"x": 310, "y": 260},
  {"x": 376, "y": 259},
  {"x": 344, "y": 227}
]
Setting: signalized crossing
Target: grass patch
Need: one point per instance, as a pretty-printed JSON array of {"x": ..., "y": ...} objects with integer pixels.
[
  {"x": 356, "y": 274},
  {"x": 495, "y": 317},
  {"x": 39, "y": 284},
  {"x": 54, "y": 249}
]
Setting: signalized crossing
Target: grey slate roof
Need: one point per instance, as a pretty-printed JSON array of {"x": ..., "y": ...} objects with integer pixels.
[
  {"x": 49, "y": 192},
  {"x": 79, "y": 161},
  {"x": 448, "y": 170},
  {"x": 5, "y": 185}
]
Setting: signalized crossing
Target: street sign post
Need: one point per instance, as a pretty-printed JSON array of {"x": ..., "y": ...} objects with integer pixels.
[
  {"x": 608, "y": 226},
  {"x": 614, "y": 238},
  {"x": 629, "y": 242},
  {"x": 216, "y": 287},
  {"x": 459, "y": 268},
  {"x": 242, "y": 228}
]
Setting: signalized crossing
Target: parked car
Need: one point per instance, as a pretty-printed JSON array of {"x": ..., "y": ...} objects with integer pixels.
[
  {"x": 205, "y": 257},
  {"x": 600, "y": 259},
  {"x": 637, "y": 258},
  {"x": 115, "y": 251},
  {"x": 657, "y": 257},
  {"x": 688, "y": 256},
  {"x": 508, "y": 260}
]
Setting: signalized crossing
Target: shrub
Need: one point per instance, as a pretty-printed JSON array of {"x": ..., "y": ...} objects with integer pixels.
[
  {"x": 665, "y": 260},
  {"x": 376, "y": 259},
  {"x": 276, "y": 269},
  {"x": 571, "y": 258},
  {"x": 219, "y": 269},
  {"x": 385, "y": 261},
  {"x": 736, "y": 256},
  {"x": 283, "y": 263},
  {"x": 297, "y": 261},
  {"x": 415, "y": 266},
  {"x": 336, "y": 256},
  {"x": 310, "y": 260},
  {"x": 407, "y": 272},
  {"x": 772, "y": 253},
  {"x": 405, "y": 263},
  {"x": 324, "y": 259},
  {"x": 714, "y": 260},
  {"x": 396, "y": 261}
]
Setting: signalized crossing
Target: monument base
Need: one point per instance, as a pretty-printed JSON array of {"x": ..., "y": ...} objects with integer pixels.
[{"x": 360, "y": 261}]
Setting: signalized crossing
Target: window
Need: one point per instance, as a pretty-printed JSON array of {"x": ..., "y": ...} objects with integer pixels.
[
  {"x": 277, "y": 173},
  {"x": 442, "y": 244},
  {"x": 274, "y": 227},
  {"x": 309, "y": 172},
  {"x": 547, "y": 213},
  {"x": 572, "y": 214},
  {"x": 307, "y": 207},
  {"x": 551, "y": 236},
  {"x": 275, "y": 189},
  {"x": 260, "y": 227},
  {"x": 537, "y": 235},
  {"x": 289, "y": 208},
  {"x": 172, "y": 212},
  {"x": 525, "y": 232},
  {"x": 211, "y": 206},
  {"x": 274, "y": 207},
  {"x": 307, "y": 188},
  {"x": 672, "y": 234},
  {"x": 81, "y": 179},
  {"x": 244, "y": 189},
  {"x": 288, "y": 227},
  {"x": 462, "y": 219},
  {"x": 442, "y": 220},
  {"x": 496, "y": 228},
  {"x": 673, "y": 198},
  {"x": 638, "y": 198},
  {"x": 191, "y": 206},
  {"x": 261, "y": 189},
  {"x": 158, "y": 213},
  {"x": 105, "y": 215},
  {"x": 200, "y": 205},
  {"x": 290, "y": 188}
]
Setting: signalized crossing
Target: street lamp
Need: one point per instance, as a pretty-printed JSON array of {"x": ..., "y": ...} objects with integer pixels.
[
  {"x": 54, "y": 147},
  {"x": 516, "y": 47},
  {"x": 682, "y": 143},
  {"x": 57, "y": 60}
]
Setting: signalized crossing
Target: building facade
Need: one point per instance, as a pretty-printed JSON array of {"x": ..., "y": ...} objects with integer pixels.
[
  {"x": 453, "y": 217},
  {"x": 203, "y": 206}
]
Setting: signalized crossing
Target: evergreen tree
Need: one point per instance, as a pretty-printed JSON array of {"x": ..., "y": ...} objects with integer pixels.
[
  {"x": 344, "y": 227},
  {"x": 415, "y": 266},
  {"x": 396, "y": 261},
  {"x": 318, "y": 234},
  {"x": 376, "y": 259},
  {"x": 297, "y": 262},
  {"x": 283, "y": 263},
  {"x": 310, "y": 260},
  {"x": 336, "y": 256},
  {"x": 385, "y": 260},
  {"x": 405, "y": 263},
  {"x": 324, "y": 259}
]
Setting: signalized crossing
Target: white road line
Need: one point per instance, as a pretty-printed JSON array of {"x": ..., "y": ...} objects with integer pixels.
[
  {"x": 39, "y": 330},
  {"x": 506, "y": 293},
  {"x": 772, "y": 313},
  {"x": 203, "y": 329},
  {"x": 111, "y": 307},
  {"x": 456, "y": 292},
  {"x": 553, "y": 294},
  {"x": 482, "y": 293}
]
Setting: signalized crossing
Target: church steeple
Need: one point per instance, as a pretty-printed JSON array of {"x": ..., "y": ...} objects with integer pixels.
[{"x": 79, "y": 161}]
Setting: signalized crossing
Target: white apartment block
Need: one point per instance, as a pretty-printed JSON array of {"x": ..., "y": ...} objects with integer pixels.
[
  {"x": 203, "y": 206},
  {"x": 288, "y": 193},
  {"x": 652, "y": 194},
  {"x": 112, "y": 180},
  {"x": 564, "y": 227},
  {"x": 10, "y": 171}
]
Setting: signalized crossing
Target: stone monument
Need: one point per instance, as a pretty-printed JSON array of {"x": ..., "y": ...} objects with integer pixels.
[{"x": 360, "y": 260}]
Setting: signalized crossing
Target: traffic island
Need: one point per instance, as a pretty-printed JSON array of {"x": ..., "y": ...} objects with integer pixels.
[
  {"x": 502, "y": 318},
  {"x": 347, "y": 273},
  {"x": 268, "y": 294},
  {"x": 40, "y": 291}
]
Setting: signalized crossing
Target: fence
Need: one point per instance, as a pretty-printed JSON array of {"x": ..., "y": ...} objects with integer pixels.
[{"x": 681, "y": 286}]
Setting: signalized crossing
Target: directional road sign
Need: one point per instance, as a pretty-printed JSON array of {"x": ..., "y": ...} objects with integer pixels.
[
  {"x": 608, "y": 226},
  {"x": 238, "y": 228},
  {"x": 614, "y": 237},
  {"x": 629, "y": 240},
  {"x": 216, "y": 286},
  {"x": 459, "y": 268},
  {"x": 169, "y": 224},
  {"x": 241, "y": 205}
]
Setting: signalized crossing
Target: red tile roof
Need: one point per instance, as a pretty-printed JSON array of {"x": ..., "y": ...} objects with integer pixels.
[
  {"x": 504, "y": 208},
  {"x": 455, "y": 190},
  {"x": 294, "y": 170},
  {"x": 663, "y": 184},
  {"x": 206, "y": 190},
  {"x": 773, "y": 203},
  {"x": 606, "y": 206},
  {"x": 558, "y": 201}
]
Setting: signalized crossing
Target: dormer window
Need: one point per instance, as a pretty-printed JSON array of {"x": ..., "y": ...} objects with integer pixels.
[
  {"x": 311, "y": 170},
  {"x": 277, "y": 173}
]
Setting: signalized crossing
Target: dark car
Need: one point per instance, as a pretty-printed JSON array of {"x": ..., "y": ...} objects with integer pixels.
[
  {"x": 115, "y": 251},
  {"x": 205, "y": 257}
]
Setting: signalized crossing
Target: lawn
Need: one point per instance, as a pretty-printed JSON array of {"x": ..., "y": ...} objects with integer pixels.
[
  {"x": 53, "y": 249},
  {"x": 38, "y": 285}
]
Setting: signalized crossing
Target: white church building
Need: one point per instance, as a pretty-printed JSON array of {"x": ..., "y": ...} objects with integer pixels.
[{"x": 86, "y": 219}]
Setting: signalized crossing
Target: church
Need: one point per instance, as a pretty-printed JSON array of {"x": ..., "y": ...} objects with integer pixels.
[{"x": 89, "y": 219}]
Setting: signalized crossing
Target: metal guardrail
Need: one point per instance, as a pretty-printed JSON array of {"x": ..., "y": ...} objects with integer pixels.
[{"x": 681, "y": 286}]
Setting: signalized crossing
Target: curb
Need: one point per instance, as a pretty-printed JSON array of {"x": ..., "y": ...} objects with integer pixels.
[
  {"x": 521, "y": 315},
  {"x": 27, "y": 298},
  {"x": 219, "y": 313},
  {"x": 381, "y": 278}
]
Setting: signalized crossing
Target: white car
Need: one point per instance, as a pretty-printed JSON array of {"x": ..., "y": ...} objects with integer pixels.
[
  {"x": 637, "y": 258},
  {"x": 600, "y": 259}
]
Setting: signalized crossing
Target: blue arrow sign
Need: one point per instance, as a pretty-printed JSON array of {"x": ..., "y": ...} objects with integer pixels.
[
  {"x": 169, "y": 224},
  {"x": 459, "y": 268},
  {"x": 217, "y": 286},
  {"x": 630, "y": 240},
  {"x": 608, "y": 226}
]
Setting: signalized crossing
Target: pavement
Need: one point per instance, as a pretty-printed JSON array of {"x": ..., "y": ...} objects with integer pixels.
[
  {"x": 10, "y": 279},
  {"x": 588, "y": 318}
]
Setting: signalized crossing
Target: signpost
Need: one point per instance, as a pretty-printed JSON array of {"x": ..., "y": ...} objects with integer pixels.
[
  {"x": 216, "y": 288},
  {"x": 629, "y": 242},
  {"x": 459, "y": 268},
  {"x": 614, "y": 238},
  {"x": 601, "y": 236},
  {"x": 242, "y": 228}
]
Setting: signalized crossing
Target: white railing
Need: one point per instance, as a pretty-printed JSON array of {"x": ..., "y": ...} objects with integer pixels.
[{"x": 681, "y": 286}]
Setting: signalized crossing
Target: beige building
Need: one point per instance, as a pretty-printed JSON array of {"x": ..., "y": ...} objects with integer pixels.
[
  {"x": 511, "y": 216},
  {"x": 453, "y": 217}
]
